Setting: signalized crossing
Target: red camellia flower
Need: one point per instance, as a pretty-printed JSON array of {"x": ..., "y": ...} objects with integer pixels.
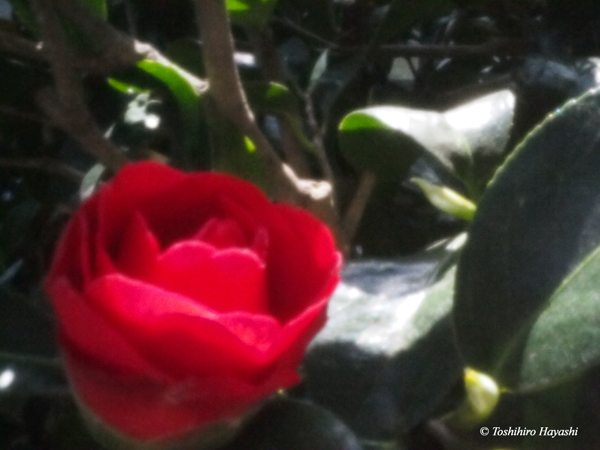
[{"x": 183, "y": 300}]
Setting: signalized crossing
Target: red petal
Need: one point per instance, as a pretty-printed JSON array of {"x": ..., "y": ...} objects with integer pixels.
[
  {"x": 175, "y": 332},
  {"x": 145, "y": 410},
  {"x": 258, "y": 332},
  {"x": 297, "y": 334},
  {"x": 303, "y": 263},
  {"x": 222, "y": 233},
  {"x": 140, "y": 187},
  {"x": 226, "y": 280},
  {"x": 72, "y": 254},
  {"x": 85, "y": 328},
  {"x": 139, "y": 249}
]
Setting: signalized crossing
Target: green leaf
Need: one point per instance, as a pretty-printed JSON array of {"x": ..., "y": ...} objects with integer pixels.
[
  {"x": 271, "y": 97},
  {"x": 555, "y": 409},
  {"x": 384, "y": 361},
  {"x": 91, "y": 181},
  {"x": 319, "y": 69},
  {"x": 99, "y": 7},
  {"x": 275, "y": 98},
  {"x": 369, "y": 143},
  {"x": 446, "y": 199},
  {"x": 125, "y": 88},
  {"x": 290, "y": 424},
  {"x": 253, "y": 13},
  {"x": 527, "y": 296},
  {"x": 469, "y": 140},
  {"x": 187, "y": 95}
]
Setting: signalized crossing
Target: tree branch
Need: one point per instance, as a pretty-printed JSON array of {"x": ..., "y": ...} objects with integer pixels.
[
  {"x": 226, "y": 88},
  {"x": 492, "y": 48},
  {"x": 356, "y": 208},
  {"x": 230, "y": 99},
  {"x": 64, "y": 104},
  {"x": 16, "y": 45}
]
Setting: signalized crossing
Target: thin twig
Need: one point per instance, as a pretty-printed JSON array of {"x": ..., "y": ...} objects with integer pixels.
[
  {"x": 270, "y": 63},
  {"x": 357, "y": 206},
  {"x": 44, "y": 165},
  {"x": 17, "y": 45},
  {"x": 64, "y": 105},
  {"x": 494, "y": 47},
  {"x": 306, "y": 33},
  {"x": 115, "y": 48}
]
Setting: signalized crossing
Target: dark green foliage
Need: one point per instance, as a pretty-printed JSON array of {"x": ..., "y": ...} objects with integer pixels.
[{"x": 440, "y": 90}]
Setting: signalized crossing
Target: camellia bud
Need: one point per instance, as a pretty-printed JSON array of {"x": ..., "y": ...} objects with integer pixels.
[
  {"x": 482, "y": 395},
  {"x": 184, "y": 301}
]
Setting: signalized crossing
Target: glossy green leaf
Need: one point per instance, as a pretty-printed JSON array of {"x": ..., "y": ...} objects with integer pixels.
[
  {"x": 527, "y": 296},
  {"x": 187, "y": 96},
  {"x": 556, "y": 409},
  {"x": 271, "y": 97},
  {"x": 469, "y": 140},
  {"x": 385, "y": 358},
  {"x": 368, "y": 143},
  {"x": 254, "y": 13},
  {"x": 125, "y": 88}
]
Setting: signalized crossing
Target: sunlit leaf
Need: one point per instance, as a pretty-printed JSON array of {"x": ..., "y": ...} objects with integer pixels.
[
  {"x": 255, "y": 13},
  {"x": 446, "y": 199},
  {"x": 527, "y": 295},
  {"x": 469, "y": 140},
  {"x": 387, "y": 355},
  {"x": 187, "y": 96}
]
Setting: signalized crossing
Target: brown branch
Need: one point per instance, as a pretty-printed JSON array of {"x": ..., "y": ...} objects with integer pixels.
[
  {"x": 115, "y": 48},
  {"x": 230, "y": 99},
  {"x": 494, "y": 47},
  {"x": 270, "y": 63},
  {"x": 357, "y": 206},
  {"x": 19, "y": 46},
  {"x": 64, "y": 105},
  {"x": 306, "y": 33},
  {"x": 44, "y": 165},
  {"x": 225, "y": 85}
]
